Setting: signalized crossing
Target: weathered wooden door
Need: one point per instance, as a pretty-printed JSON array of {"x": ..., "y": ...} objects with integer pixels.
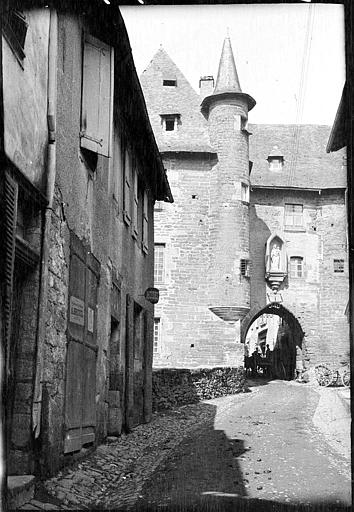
[{"x": 80, "y": 409}]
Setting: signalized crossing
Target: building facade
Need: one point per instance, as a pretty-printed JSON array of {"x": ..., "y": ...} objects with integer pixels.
[
  {"x": 258, "y": 226},
  {"x": 81, "y": 178}
]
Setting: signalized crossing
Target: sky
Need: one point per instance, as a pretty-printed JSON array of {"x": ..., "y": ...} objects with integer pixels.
[{"x": 289, "y": 57}]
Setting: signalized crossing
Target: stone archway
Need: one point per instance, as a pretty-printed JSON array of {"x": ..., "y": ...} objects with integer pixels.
[{"x": 288, "y": 346}]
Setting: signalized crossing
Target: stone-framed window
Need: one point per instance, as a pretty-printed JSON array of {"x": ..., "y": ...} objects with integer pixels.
[
  {"x": 245, "y": 193},
  {"x": 293, "y": 216},
  {"x": 169, "y": 82},
  {"x": 338, "y": 266},
  {"x": 170, "y": 122},
  {"x": 157, "y": 335},
  {"x": 159, "y": 263},
  {"x": 296, "y": 266},
  {"x": 245, "y": 267}
]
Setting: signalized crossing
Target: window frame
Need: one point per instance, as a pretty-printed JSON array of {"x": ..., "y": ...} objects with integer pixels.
[
  {"x": 296, "y": 275},
  {"x": 292, "y": 215},
  {"x": 168, "y": 118},
  {"x": 338, "y": 266},
  {"x": 245, "y": 192},
  {"x": 157, "y": 339},
  {"x": 163, "y": 276},
  {"x": 173, "y": 82}
]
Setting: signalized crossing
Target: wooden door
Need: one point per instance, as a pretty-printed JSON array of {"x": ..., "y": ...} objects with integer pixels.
[{"x": 80, "y": 408}]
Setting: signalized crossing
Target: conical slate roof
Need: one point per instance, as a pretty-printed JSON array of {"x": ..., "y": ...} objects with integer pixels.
[
  {"x": 181, "y": 99},
  {"x": 227, "y": 80}
]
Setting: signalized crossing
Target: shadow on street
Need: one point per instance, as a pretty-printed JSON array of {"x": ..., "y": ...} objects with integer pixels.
[{"x": 204, "y": 474}]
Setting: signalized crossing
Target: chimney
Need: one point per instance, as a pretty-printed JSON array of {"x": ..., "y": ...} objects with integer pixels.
[{"x": 206, "y": 86}]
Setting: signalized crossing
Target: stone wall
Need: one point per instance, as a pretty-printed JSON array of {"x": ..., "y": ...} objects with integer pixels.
[
  {"x": 318, "y": 299},
  {"x": 191, "y": 335},
  {"x": 174, "y": 387}
]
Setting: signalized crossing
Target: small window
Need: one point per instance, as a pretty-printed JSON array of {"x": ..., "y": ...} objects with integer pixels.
[
  {"x": 338, "y": 266},
  {"x": 15, "y": 31},
  {"x": 276, "y": 164},
  {"x": 159, "y": 264},
  {"x": 245, "y": 193},
  {"x": 293, "y": 215},
  {"x": 170, "y": 83},
  {"x": 296, "y": 266},
  {"x": 158, "y": 206},
  {"x": 245, "y": 267},
  {"x": 157, "y": 335},
  {"x": 170, "y": 122}
]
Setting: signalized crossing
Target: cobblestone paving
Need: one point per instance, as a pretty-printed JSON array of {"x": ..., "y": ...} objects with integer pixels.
[
  {"x": 258, "y": 446},
  {"x": 113, "y": 477}
]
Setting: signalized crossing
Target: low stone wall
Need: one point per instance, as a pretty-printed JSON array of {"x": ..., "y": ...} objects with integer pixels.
[{"x": 173, "y": 387}]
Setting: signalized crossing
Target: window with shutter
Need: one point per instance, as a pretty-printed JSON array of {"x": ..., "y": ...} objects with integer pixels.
[
  {"x": 11, "y": 192},
  {"x": 127, "y": 188},
  {"x": 146, "y": 222},
  {"x": 96, "y": 110},
  {"x": 135, "y": 204}
]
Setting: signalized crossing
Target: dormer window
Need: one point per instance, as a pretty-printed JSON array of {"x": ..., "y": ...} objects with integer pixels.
[
  {"x": 170, "y": 122},
  {"x": 275, "y": 159},
  {"x": 170, "y": 82}
]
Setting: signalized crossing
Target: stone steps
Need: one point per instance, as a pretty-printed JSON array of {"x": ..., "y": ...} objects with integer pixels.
[{"x": 20, "y": 490}]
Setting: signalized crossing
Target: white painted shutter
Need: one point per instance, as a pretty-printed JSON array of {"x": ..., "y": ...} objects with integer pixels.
[{"x": 96, "y": 97}]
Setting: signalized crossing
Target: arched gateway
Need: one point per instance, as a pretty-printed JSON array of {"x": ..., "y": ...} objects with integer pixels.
[{"x": 287, "y": 348}]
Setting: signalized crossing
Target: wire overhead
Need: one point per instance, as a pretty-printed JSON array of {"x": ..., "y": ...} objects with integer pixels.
[{"x": 302, "y": 93}]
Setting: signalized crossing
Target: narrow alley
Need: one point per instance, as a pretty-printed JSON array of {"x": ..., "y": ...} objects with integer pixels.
[{"x": 269, "y": 448}]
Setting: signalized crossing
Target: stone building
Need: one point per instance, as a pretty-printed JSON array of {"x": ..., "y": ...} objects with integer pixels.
[
  {"x": 258, "y": 226},
  {"x": 81, "y": 177}
]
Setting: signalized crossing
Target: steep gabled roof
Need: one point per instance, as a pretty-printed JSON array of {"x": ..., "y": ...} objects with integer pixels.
[
  {"x": 306, "y": 163},
  {"x": 192, "y": 133}
]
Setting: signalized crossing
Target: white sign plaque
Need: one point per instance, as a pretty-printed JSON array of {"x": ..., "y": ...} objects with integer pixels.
[{"x": 77, "y": 311}]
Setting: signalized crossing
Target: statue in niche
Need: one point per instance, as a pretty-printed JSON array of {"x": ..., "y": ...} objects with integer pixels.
[{"x": 275, "y": 257}]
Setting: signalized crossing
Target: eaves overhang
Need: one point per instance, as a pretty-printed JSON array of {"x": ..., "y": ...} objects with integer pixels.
[
  {"x": 298, "y": 189},
  {"x": 226, "y": 96}
]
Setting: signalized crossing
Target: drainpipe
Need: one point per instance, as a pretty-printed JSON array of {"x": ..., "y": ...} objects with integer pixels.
[{"x": 51, "y": 169}]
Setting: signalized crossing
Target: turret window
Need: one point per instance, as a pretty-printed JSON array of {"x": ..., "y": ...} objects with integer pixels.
[{"x": 245, "y": 193}]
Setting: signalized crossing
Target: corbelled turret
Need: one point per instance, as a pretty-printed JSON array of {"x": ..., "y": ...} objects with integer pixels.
[{"x": 226, "y": 110}]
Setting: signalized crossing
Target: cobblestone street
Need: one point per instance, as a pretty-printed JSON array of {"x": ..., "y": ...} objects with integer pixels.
[{"x": 274, "y": 445}]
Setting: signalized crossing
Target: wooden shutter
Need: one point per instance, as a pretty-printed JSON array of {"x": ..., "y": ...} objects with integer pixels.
[
  {"x": 127, "y": 187},
  {"x": 146, "y": 222},
  {"x": 96, "y": 96},
  {"x": 11, "y": 191},
  {"x": 135, "y": 204}
]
